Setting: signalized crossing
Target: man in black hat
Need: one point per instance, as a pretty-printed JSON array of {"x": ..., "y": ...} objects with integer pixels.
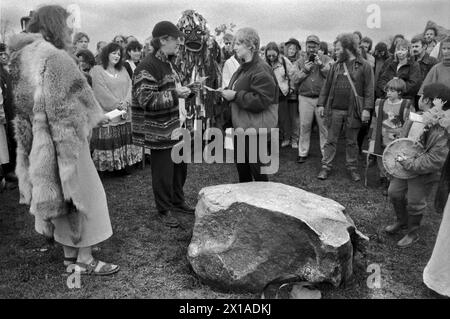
[
  {"x": 5, "y": 84},
  {"x": 158, "y": 95}
]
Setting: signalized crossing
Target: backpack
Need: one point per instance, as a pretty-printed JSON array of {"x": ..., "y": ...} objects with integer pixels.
[{"x": 378, "y": 149}]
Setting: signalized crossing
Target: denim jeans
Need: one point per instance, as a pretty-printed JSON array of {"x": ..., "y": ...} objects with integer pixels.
[{"x": 339, "y": 120}]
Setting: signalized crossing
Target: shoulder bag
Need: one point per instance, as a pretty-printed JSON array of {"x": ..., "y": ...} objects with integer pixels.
[{"x": 358, "y": 99}]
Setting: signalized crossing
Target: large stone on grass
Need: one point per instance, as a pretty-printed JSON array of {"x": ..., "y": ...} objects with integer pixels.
[{"x": 248, "y": 234}]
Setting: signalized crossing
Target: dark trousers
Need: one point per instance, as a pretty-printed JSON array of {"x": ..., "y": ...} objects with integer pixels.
[
  {"x": 362, "y": 134},
  {"x": 288, "y": 119},
  {"x": 409, "y": 198},
  {"x": 338, "y": 120},
  {"x": 249, "y": 172},
  {"x": 12, "y": 146},
  {"x": 168, "y": 180}
]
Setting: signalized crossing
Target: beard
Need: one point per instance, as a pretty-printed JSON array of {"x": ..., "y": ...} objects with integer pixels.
[{"x": 343, "y": 57}]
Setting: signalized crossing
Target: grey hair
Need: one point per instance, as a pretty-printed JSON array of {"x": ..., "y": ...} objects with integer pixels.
[{"x": 249, "y": 37}]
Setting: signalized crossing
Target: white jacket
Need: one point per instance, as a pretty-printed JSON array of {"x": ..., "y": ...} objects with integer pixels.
[{"x": 230, "y": 66}]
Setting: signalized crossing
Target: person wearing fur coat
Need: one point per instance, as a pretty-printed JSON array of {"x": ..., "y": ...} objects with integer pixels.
[{"x": 56, "y": 111}]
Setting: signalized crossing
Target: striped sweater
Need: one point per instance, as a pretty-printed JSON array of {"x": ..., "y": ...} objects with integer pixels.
[{"x": 155, "y": 112}]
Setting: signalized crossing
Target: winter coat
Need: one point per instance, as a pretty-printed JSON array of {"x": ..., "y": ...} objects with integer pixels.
[
  {"x": 438, "y": 73},
  {"x": 410, "y": 73},
  {"x": 434, "y": 141},
  {"x": 310, "y": 83},
  {"x": 282, "y": 68},
  {"x": 363, "y": 79},
  {"x": 426, "y": 63},
  {"x": 56, "y": 111},
  {"x": 256, "y": 101},
  {"x": 155, "y": 106}
]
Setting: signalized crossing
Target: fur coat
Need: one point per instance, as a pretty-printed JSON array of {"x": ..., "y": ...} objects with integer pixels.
[{"x": 56, "y": 111}]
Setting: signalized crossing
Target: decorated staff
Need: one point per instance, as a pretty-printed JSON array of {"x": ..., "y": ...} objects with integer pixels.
[
  {"x": 415, "y": 163},
  {"x": 199, "y": 63}
]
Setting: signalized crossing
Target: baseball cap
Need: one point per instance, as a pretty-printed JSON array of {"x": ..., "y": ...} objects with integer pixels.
[
  {"x": 166, "y": 28},
  {"x": 313, "y": 38}
]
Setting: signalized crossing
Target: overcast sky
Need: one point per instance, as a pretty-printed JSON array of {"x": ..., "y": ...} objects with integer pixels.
[{"x": 275, "y": 20}]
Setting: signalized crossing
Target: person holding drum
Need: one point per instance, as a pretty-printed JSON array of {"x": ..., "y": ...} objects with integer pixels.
[{"x": 421, "y": 170}]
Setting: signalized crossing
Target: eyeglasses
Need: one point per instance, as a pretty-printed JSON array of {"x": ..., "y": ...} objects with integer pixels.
[
  {"x": 227, "y": 43},
  {"x": 271, "y": 55}
]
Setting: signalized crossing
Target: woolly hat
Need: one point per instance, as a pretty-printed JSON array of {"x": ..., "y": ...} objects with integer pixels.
[{"x": 293, "y": 41}]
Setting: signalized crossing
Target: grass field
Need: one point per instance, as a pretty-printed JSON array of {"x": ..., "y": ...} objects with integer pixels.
[{"x": 153, "y": 258}]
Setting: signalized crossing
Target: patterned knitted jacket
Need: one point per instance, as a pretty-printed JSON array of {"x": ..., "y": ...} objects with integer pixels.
[{"x": 154, "y": 109}]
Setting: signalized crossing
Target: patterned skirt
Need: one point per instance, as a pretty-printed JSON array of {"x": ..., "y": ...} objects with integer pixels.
[{"x": 112, "y": 147}]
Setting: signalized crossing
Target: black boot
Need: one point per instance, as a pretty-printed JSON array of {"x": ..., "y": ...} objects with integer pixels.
[
  {"x": 384, "y": 184},
  {"x": 402, "y": 217},
  {"x": 413, "y": 235}
]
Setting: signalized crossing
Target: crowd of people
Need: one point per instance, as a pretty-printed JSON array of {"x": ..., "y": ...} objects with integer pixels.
[{"x": 55, "y": 133}]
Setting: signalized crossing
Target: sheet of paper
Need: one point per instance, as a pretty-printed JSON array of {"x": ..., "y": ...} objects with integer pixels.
[
  {"x": 416, "y": 131},
  {"x": 115, "y": 114},
  {"x": 229, "y": 145},
  {"x": 211, "y": 89},
  {"x": 200, "y": 80},
  {"x": 415, "y": 117}
]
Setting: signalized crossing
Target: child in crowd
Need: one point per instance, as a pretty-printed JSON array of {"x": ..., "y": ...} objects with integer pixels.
[
  {"x": 388, "y": 119},
  {"x": 409, "y": 196}
]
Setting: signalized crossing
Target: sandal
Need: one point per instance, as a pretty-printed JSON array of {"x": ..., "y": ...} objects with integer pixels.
[
  {"x": 69, "y": 261},
  {"x": 96, "y": 268}
]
